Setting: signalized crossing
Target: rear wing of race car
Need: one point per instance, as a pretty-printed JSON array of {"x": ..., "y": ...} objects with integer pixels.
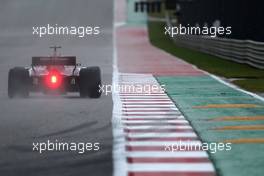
[{"x": 48, "y": 61}]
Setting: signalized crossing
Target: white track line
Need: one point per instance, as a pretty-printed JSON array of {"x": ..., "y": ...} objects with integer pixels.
[
  {"x": 119, "y": 161},
  {"x": 235, "y": 87}
]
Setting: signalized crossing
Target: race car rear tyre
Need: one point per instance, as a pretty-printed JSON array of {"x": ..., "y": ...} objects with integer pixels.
[
  {"x": 18, "y": 82},
  {"x": 90, "y": 82}
]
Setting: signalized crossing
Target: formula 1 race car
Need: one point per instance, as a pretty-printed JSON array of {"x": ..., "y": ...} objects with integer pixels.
[{"x": 54, "y": 74}]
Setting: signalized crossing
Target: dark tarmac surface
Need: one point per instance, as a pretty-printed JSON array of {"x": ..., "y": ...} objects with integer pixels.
[{"x": 41, "y": 118}]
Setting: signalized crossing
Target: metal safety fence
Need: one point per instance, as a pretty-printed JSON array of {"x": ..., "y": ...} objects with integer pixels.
[{"x": 241, "y": 51}]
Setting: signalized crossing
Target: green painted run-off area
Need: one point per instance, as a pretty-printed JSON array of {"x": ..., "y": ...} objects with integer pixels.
[{"x": 243, "y": 159}]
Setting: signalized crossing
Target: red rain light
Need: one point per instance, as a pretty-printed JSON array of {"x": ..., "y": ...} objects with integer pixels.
[{"x": 53, "y": 79}]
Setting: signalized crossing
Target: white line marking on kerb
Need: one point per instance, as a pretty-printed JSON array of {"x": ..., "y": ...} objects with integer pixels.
[
  {"x": 192, "y": 143},
  {"x": 179, "y": 167},
  {"x": 153, "y": 117},
  {"x": 155, "y": 121},
  {"x": 165, "y": 154},
  {"x": 145, "y": 127},
  {"x": 161, "y": 135}
]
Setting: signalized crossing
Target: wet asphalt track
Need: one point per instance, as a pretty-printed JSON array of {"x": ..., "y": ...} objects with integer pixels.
[{"x": 41, "y": 118}]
